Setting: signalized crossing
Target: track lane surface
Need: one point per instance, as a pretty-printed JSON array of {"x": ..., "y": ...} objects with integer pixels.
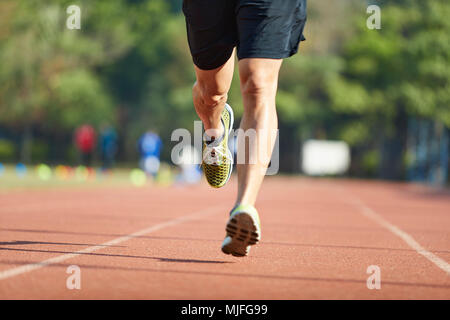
[{"x": 316, "y": 242}]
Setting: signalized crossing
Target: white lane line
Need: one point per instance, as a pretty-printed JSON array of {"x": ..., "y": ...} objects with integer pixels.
[
  {"x": 34, "y": 266},
  {"x": 371, "y": 214}
]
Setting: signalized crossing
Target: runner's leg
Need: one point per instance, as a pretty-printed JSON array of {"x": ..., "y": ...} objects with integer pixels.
[
  {"x": 259, "y": 79},
  {"x": 210, "y": 94}
]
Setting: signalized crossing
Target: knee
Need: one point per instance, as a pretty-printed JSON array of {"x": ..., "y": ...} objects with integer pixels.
[
  {"x": 257, "y": 84},
  {"x": 209, "y": 96},
  {"x": 259, "y": 77}
]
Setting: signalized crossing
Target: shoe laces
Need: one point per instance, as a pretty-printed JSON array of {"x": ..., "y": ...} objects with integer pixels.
[{"x": 213, "y": 155}]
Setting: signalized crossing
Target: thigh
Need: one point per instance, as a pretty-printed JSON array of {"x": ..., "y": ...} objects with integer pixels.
[
  {"x": 270, "y": 28},
  {"x": 211, "y": 31}
]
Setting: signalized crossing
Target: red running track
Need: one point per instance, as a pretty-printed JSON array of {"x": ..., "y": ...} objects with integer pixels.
[{"x": 318, "y": 239}]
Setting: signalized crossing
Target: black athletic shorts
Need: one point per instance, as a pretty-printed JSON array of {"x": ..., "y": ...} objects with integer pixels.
[{"x": 258, "y": 28}]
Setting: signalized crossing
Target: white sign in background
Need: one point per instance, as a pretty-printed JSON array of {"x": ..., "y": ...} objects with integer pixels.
[{"x": 322, "y": 157}]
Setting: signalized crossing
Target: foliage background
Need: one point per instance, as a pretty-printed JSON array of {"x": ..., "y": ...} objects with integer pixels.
[{"x": 129, "y": 66}]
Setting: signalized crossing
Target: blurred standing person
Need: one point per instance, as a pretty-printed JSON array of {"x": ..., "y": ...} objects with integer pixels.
[
  {"x": 261, "y": 33},
  {"x": 108, "y": 146},
  {"x": 85, "y": 139},
  {"x": 150, "y": 145}
]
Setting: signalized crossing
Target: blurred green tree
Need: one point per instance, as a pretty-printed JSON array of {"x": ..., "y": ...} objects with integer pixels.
[
  {"x": 129, "y": 65},
  {"x": 48, "y": 75},
  {"x": 388, "y": 75}
]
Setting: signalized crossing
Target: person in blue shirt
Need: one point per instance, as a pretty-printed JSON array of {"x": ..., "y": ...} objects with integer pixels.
[{"x": 150, "y": 146}]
